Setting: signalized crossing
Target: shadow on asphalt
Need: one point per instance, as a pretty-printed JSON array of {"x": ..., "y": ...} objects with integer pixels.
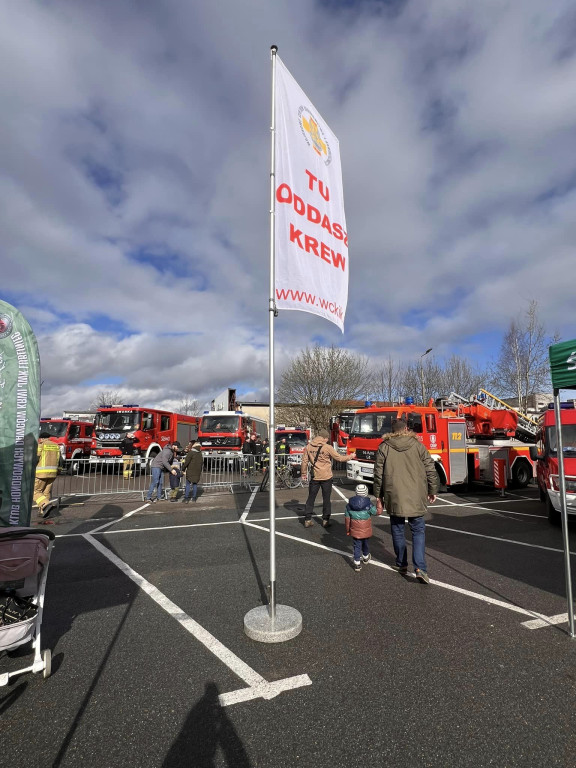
[
  {"x": 208, "y": 719},
  {"x": 12, "y": 697},
  {"x": 530, "y": 567},
  {"x": 68, "y": 512},
  {"x": 240, "y": 502},
  {"x": 85, "y": 585}
]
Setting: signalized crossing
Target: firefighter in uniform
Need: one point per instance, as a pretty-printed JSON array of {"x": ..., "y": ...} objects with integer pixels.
[
  {"x": 282, "y": 451},
  {"x": 46, "y": 472},
  {"x": 265, "y": 454},
  {"x": 129, "y": 450}
]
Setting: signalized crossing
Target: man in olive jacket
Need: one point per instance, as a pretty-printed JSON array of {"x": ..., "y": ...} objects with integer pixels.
[{"x": 405, "y": 478}]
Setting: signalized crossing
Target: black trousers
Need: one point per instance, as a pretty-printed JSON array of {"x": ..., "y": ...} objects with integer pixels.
[{"x": 314, "y": 487}]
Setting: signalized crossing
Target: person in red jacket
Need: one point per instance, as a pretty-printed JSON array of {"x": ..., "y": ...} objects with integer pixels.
[{"x": 358, "y": 518}]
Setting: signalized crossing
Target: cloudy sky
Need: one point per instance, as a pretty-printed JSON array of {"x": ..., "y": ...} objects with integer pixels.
[{"x": 134, "y": 181}]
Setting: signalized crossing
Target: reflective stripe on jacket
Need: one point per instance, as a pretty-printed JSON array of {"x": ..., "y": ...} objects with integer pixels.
[{"x": 48, "y": 459}]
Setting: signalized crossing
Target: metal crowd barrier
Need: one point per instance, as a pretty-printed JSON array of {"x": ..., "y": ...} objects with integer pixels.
[{"x": 86, "y": 478}]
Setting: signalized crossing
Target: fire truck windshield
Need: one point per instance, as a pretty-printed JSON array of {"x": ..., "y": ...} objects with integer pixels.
[
  {"x": 346, "y": 420},
  {"x": 219, "y": 424},
  {"x": 56, "y": 429},
  {"x": 293, "y": 439},
  {"x": 372, "y": 424},
  {"x": 118, "y": 420},
  {"x": 568, "y": 440}
]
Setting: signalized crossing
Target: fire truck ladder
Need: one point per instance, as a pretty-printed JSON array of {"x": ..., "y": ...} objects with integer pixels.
[
  {"x": 527, "y": 428},
  {"x": 456, "y": 399}
]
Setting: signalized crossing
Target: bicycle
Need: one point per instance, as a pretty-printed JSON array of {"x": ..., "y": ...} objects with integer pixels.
[{"x": 285, "y": 478}]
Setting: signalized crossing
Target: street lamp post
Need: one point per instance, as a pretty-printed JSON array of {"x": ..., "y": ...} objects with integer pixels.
[{"x": 422, "y": 373}]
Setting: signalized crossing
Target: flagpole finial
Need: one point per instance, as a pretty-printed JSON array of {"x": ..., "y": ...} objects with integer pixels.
[{"x": 274, "y": 48}]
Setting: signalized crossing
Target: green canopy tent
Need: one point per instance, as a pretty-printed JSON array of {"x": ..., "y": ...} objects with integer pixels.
[{"x": 563, "y": 373}]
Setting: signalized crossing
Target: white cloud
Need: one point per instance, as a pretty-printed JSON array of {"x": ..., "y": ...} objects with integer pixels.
[{"x": 134, "y": 201}]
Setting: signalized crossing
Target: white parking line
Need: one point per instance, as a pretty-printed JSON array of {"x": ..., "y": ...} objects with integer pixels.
[
  {"x": 264, "y": 691},
  {"x": 495, "y": 538},
  {"x": 247, "y": 507},
  {"x": 338, "y": 491},
  {"x": 124, "y": 517},
  {"x": 443, "y": 585},
  {"x": 258, "y": 687},
  {"x": 561, "y": 618},
  {"x": 494, "y": 501}
]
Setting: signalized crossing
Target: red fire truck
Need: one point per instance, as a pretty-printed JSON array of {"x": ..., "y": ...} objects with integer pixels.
[
  {"x": 223, "y": 433},
  {"x": 297, "y": 439},
  {"x": 340, "y": 430},
  {"x": 153, "y": 429},
  {"x": 73, "y": 437},
  {"x": 463, "y": 435},
  {"x": 547, "y": 466}
]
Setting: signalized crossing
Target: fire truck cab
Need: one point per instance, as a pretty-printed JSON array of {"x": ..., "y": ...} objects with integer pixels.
[
  {"x": 223, "y": 433},
  {"x": 463, "y": 436},
  {"x": 547, "y": 464},
  {"x": 445, "y": 438},
  {"x": 297, "y": 438},
  {"x": 340, "y": 426},
  {"x": 152, "y": 428},
  {"x": 74, "y": 438}
]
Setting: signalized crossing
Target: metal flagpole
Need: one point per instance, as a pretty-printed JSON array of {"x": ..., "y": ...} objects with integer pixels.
[
  {"x": 275, "y": 623},
  {"x": 563, "y": 511},
  {"x": 272, "y": 314}
]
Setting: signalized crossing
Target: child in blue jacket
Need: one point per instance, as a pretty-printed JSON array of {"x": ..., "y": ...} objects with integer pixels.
[{"x": 359, "y": 511}]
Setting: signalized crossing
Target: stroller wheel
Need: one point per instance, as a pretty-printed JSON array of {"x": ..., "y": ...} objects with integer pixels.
[{"x": 47, "y": 659}]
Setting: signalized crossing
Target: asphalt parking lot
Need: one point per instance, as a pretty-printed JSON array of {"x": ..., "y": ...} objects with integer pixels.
[{"x": 151, "y": 666}]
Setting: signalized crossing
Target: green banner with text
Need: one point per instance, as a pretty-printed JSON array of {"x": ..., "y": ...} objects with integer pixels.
[
  {"x": 563, "y": 365},
  {"x": 19, "y": 415}
]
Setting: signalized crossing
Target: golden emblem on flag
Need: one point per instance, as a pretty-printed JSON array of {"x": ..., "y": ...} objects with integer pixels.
[{"x": 312, "y": 132}]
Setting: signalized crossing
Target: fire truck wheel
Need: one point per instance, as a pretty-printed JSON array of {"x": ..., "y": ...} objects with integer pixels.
[
  {"x": 521, "y": 475},
  {"x": 553, "y": 516},
  {"x": 151, "y": 457},
  {"x": 442, "y": 487}
]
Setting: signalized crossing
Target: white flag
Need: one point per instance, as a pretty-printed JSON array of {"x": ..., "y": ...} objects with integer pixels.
[{"x": 311, "y": 242}]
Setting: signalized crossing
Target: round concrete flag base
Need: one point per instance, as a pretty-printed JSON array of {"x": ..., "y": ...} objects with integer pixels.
[{"x": 259, "y": 626}]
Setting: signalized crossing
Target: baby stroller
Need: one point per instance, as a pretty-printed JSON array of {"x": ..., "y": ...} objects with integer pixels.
[{"x": 24, "y": 559}]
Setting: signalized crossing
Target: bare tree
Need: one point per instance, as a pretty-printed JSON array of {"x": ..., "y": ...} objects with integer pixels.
[
  {"x": 462, "y": 377},
  {"x": 106, "y": 397},
  {"x": 427, "y": 378},
  {"x": 422, "y": 379},
  {"x": 318, "y": 377},
  {"x": 522, "y": 366},
  {"x": 291, "y": 415},
  {"x": 387, "y": 381},
  {"x": 189, "y": 406}
]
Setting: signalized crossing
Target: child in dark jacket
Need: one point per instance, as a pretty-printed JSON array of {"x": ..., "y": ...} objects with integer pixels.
[
  {"x": 359, "y": 511},
  {"x": 175, "y": 479}
]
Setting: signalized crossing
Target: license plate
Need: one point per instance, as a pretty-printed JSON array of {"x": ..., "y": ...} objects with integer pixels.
[{"x": 368, "y": 471}]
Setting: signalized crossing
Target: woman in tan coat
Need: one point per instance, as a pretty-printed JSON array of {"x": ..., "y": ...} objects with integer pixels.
[{"x": 318, "y": 457}]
